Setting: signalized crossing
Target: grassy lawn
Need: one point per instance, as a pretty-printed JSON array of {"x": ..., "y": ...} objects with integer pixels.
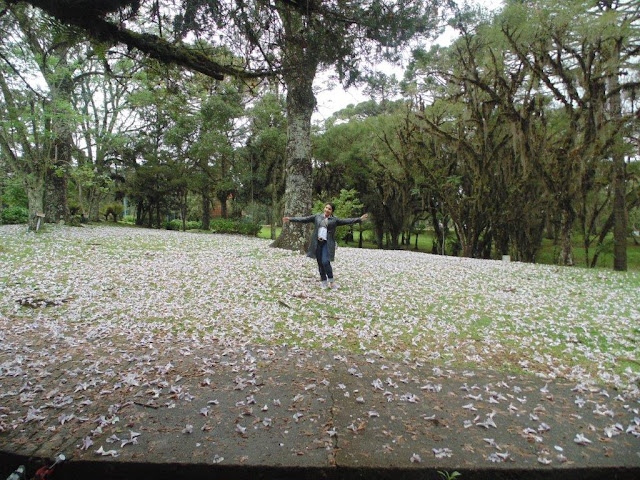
[
  {"x": 165, "y": 287},
  {"x": 547, "y": 255}
]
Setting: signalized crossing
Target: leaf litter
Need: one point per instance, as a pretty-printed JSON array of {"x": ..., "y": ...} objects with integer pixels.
[{"x": 100, "y": 323}]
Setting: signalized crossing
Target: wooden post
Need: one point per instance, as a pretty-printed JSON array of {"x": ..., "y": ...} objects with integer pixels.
[{"x": 40, "y": 219}]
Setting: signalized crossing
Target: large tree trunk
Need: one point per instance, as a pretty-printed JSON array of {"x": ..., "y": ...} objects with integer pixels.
[
  {"x": 56, "y": 204},
  {"x": 300, "y": 67},
  {"x": 275, "y": 209},
  {"x": 222, "y": 198},
  {"x": 206, "y": 211},
  {"x": 619, "y": 176},
  {"x": 94, "y": 205},
  {"x": 51, "y": 55},
  {"x": 297, "y": 195},
  {"x": 35, "y": 195},
  {"x": 140, "y": 212},
  {"x": 183, "y": 209},
  {"x": 467, "y": 248},
  {"x": 566, "y": 253},
  {"x": 378, "y": 228},
  {"x": 632, "y": 200},
  {"x": 57, "y": 176}
]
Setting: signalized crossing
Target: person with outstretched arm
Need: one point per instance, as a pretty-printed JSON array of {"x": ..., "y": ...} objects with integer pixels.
[{"x": 323, "y": 244}]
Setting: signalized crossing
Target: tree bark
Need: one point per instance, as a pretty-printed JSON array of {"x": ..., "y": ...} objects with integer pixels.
[
  {"x": 222, "y": 198},
  {"x": 632, "y": 200},
  {"x": 275, "y": 208},
  {"x": 51, "y": 55},
  {"x": 619, "y": 174},
  {"x": 566, "y": 254},
  {"x": 140, "y": 212},
  {"x": 57, "y": 176},
  {"x": 299, "y": 183},
  {"x": 31, "y": 163},
  {"x": 300, "y": 67},
  {"x": 206, "y": 211},
  {"x": 34, "y": 186},
  {"x": 56, "y": 203}
]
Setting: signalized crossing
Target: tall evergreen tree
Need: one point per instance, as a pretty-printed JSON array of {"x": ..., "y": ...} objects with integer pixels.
[{"x": 298, "y": 39}]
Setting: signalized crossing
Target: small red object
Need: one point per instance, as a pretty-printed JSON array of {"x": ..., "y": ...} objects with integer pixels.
[{"x": 44, "y": 473}]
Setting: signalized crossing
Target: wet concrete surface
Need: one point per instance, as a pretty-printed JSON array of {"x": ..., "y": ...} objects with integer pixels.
[{"x": 262, "y": 412}]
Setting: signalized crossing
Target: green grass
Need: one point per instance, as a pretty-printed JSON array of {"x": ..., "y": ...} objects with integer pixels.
[
  {"x": 446, "y": 311},
  {"x": 546, "y": 256}
]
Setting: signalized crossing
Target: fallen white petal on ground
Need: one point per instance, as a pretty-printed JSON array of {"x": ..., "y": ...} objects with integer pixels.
[
  {"x": 84, "y": 291},
  {"x": 153, "y": 284}
]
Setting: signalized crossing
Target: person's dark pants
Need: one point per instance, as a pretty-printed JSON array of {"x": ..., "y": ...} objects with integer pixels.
[{"x": 324, "y": 266}]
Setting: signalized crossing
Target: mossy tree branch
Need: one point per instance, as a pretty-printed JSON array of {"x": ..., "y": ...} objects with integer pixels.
[{"x": 89, "y": 15}]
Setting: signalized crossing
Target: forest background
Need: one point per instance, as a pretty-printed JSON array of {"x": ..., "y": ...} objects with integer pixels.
[{"x": 523, "y": 132}]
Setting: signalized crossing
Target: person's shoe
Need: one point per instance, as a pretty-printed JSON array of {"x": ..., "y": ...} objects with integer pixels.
[
  {"x": 333, "y": 285},
  {"x": 324, "y": 284}
]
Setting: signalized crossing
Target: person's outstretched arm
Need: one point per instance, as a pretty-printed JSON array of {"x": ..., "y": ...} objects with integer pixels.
[
  {"x": 308, "y": 219},
  {"x": 351, "y": 221}
]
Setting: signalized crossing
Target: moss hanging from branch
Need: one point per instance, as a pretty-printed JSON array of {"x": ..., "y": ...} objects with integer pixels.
[{"x": 88, "y": 15}]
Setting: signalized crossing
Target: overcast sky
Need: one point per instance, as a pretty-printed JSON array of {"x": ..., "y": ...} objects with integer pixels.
[{"x": 333, "y": 98}]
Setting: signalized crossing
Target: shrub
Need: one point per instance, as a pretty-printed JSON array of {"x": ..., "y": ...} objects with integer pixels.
[
  {"x": 249, "y": 228},
  {"x": 347, "y": 236},
  {"x": 114, "y": 210},
  {"x": 223, "y": 225},
  {"x": 76, "y": 220},
  {"x": 219, "y": 225},
  {"x": 242, "y": 227},
  {"x": 74, "y": 208},
  {"x": 14, "y": 215},
  {"x": 257, "y": 212},
  {"x": 14, "y": 194},
  {"x": 176, "y": 224}
]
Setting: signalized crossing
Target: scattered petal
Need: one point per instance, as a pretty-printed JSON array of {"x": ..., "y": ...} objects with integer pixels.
[{"x": 581, "y": 439}]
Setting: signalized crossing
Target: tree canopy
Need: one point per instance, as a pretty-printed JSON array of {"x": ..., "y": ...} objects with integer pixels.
[
  {"x": 105, "y": 21},
  {"x": 523, "y": 129}
]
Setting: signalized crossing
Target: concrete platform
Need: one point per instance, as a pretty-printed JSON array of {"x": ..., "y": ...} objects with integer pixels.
[{"x": 262, "y": 412}]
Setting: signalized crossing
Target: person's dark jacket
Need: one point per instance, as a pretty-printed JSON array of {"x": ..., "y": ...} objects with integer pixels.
[{"x": 332, "y": 223}]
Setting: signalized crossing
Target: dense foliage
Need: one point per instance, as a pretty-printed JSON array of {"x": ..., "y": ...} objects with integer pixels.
[
  {"x": 524, "y": 128},
  {"x": 14, "y": 214}
]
